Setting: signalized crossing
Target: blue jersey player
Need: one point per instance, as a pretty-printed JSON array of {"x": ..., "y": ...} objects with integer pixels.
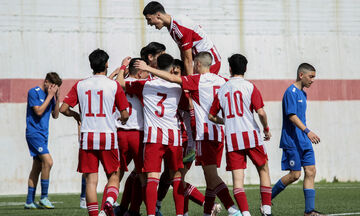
[
  {"x": 296, "y": 139},
  {"x": 42, "y": 101}
]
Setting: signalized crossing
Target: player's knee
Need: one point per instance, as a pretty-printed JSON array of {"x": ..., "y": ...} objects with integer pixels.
[
  {"x": 48, "y": 163},
  {"x": 295, "y": 175},
  {"x": 310, "y": 172}
]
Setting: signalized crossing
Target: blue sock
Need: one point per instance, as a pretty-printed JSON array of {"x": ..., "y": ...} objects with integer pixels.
[
  {"x": 33, "y": 194},
  {"x": 309, "y": 200},
  {"x": 30, "y": 195},
  {"x": 83, "y": 187},
  {"x": 44, "y": 188},
  {"x": 277, "y": 188}
]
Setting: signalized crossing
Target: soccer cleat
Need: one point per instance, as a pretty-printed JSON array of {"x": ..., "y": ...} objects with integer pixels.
[
  {"x": 83, "y": 203},
  {"x": 116, "y": 204},
  {"x": 31, "y": 206},
  {"x": 238, "y": 213},
  {"x": 263, "y": 210},
  {"x": 108, "y": 208},
  {"x": 45, "y": 203},
  {"x": 189, "y": 157},
  {"x": 216, "y": 209},
  {"x": 314, "y": 213},
  {"x": 102, "y": 213}
]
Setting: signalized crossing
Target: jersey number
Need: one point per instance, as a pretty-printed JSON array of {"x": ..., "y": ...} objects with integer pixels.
[
  {"x": 238, "y": 103},
  {"x": 101, "y": 113},
  {"x": 161, "y": 105}
]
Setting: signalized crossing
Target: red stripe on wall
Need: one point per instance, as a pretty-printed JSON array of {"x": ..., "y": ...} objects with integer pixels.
[{"x": 15, "y": 90}]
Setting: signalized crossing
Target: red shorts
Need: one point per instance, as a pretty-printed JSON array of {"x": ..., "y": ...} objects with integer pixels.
[
  {"x": 155, "y": 152},
  {"x": 215, "y": 68},
  {"x": 131, "y": 148},
  {"x": 237, "y": 159},
  {"x": 208, "y": 152},
  {"x": 89, "y": 160}
]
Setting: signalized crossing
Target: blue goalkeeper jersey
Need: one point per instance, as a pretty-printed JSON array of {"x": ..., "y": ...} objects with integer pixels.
[{"x": 294, "y": 102}]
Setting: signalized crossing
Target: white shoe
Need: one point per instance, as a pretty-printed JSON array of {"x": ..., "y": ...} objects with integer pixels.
[
  {"x": 102, "y": 213},
  {"x": 216, "y": 209},
  {"x": 83, "y": 203},
  {"x": 116, "y": 204}
]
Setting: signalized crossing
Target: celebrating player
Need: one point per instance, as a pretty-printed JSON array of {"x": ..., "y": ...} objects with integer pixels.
[
  {"x": 190, "y": 37},
  {"x": 209, "y": 136},
  {"x": 238, "y": 98},
  {"x": 42, "y": 100},
  {"x": 296, "y": 139},
  {"x": 97, "y": 97}
]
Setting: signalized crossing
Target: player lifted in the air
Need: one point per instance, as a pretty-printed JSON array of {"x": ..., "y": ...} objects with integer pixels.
[{"x": 238, "y": 99}]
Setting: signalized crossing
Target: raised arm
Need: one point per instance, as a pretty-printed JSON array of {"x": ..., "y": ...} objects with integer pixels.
[
  {"x": 39, "y": 110},
  {"x": 121, "y": 72},
  {"x": 159, "y": 73},
  {"x": 186, "y": 56},
  {"x": 263, "y": 119},
  {"x": 298, "y": 123}
]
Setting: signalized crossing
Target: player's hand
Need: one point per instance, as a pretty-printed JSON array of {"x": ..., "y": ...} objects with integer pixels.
[
  {"x": 52, "y": 89},
  {"x": 126, "y": 61},
  {"x": 267, "y": 135},
  {"x": 77, "y": 118},
  {"x": 139, "y": 64},
  {"x": 313, "y": 137}
]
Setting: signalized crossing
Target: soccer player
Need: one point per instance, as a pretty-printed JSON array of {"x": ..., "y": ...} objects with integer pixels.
[
  {"x": 97, "y": 96},
  {"x": 42, "y": 101},
  {"x": 209, "y": 136},
  {"x": 151, "y": 52},
  {"x": 190, "y": 37},
  {"x": 162, "y": 138},
  {"x": 296, "y": 139},
  {"x": 238, "y": 98}
]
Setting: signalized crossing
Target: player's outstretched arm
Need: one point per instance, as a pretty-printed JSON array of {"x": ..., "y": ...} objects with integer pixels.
[
  {"x": 159, "y": 73},
  {"x": 65, "y": 110},
  {"x": 186, "y": 56},
  {"x": 298, "y": 123},
  {"x": 39, "y": 110},
  {"x": 216, "y": 119},
  {"x": 263, "y": 119}
]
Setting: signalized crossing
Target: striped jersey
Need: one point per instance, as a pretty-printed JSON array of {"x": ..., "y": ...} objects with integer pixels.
[
  {"x": 238, "y": 98},
  {"x": 97, "y": 97}
]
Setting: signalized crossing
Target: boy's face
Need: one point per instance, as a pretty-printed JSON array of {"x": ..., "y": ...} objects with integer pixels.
[
  {"x": 307, "y": 78},
  {"x": 154, "y": 19},
  {"x": 176, "y": 71},
  {"x": 153, "y": 59},
  {"x": 47, "y": 83}
]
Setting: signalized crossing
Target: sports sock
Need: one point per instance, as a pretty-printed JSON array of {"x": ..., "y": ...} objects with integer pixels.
[
  {"x": 278, "y": 187},
  {"x": 151, "y": 195},
  {"x": 309, "y": 200},
  {"x": 164, "y": 185},
  {"x": 265, "y": 195},
  {"x": 30, "y": 195},
  {"x": 136, "y": 196},
  {"x": 223, "y": 193},
  {"x": 126, "y": 196},
  {"x": 92, "y": 209},
  {"x": 83, "y": 187},
  {"x": 209, "y": 201},
  {"x": 44, "y": 188},
  {"x": 241, "y": 200},
  {"x": 178, "y": 195},
  {"x": 103, "y": 198},
  {"x": 194, "y": 194},
  {"x": 112, "y": 194},
  {"x": 186, "y": 204}
]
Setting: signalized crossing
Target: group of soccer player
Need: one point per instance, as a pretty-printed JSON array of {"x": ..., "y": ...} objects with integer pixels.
[{"x": 156, "y": 109}]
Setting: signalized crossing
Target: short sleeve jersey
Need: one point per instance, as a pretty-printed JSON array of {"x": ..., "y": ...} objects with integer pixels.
[
  {"x": 97, "y": 97},
  {"x": 238, "y": 98},
  {"x": 135, "y": 110},
  {"x": 294, "y": 102},
  {"x": 203, "y": 88},
  {"x": 189, "y": 35},
  {"x": 160, "y": 99},
  {"x": 38, "y": 125}
]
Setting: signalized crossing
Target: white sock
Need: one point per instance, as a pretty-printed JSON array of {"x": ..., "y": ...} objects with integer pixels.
[
  {"x": 246, "y": 213},
  {"x": 110, "y": 200},
  {"x": 233, "y": 209},
  {"x": 266, "y": 209}
]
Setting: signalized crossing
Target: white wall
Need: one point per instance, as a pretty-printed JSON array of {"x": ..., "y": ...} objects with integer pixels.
[{"x": 38, "y": 36}]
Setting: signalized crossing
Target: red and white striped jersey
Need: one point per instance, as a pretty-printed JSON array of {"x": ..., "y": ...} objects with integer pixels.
[
  {"x": 160, "y": 99},
  {"x": 203, "y": 88},
  {"x": 188, "y": 35},
  {"x": 97, "y": 97},
  {"x": 237, "y": 99},
  {"x": 135, "y": 110}
]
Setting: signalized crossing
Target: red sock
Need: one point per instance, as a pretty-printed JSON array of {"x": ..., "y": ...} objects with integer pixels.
[
  {"x": 136, "y": 196},
  {"x": 93, "y": 208},
  {"x": 103, "y": 198},
  {"x": 164, "y": 185},
  {"x": 240, "y": 197},
  {"x": 194, "y": 194},
  {"x": 126, "y": 196},
  {"x": 223, "y": 193},
  {"x": 265, "y": 195},
  {"x": 209, "y": 201},
  {"x": 178, "y": 195},
  {"x": 151, "y": 195},
  {"x": 112, "y": 192}
]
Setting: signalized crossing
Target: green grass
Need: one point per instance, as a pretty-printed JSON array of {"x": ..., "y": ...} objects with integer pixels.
[{"x": 331, "y": 198}]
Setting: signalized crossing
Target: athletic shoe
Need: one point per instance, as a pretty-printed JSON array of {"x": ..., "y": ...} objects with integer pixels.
[
  {"x": 83, "y": 203},
  {"x": 45, "y": 203},
  {"x": 314, "y": 213},
  {"x": 189, "y": 157},
  {"x": 216, "y": 209},
  {"x": 108, "y": 208},
  {"x": 238, "y": 213},
  {"x": 31, "y": 206},
  {"x": 116, "y": 204},
  {"x": 262, "y": 211},
  {"x": 102, "y": 213}
]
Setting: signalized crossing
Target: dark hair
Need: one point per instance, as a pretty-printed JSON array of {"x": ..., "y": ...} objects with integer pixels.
[
  {"x": 180, "y": 64},
  {"x": 98, "y": 59},
  {"x": 205, "y": 58},
  {"x": 152, "y": 48},
  {"x": 153, "y": 7},
  {"x": 132, "y": 70},
  {"x": 305, "y": 66},
  {"x": 165, "y": 62},
  {"x": 238, "y": 64},
  {"x": 54, "y": 78}
]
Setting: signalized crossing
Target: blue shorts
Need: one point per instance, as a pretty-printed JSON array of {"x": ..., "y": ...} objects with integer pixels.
[
  {"x": 294, "y": 159},
  {"x": 38, "y": 145}
]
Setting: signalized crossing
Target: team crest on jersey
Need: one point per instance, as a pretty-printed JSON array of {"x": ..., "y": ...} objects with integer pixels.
[
  {"x": 40, "y": 149},
  {"x": 292, "y": 163},
  {"x": 42, "y": 100}
]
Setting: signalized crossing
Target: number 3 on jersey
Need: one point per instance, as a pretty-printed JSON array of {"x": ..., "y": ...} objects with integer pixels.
[
  {"x": 101, "y": 113},
  {"x": 161, "y": 105}
]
